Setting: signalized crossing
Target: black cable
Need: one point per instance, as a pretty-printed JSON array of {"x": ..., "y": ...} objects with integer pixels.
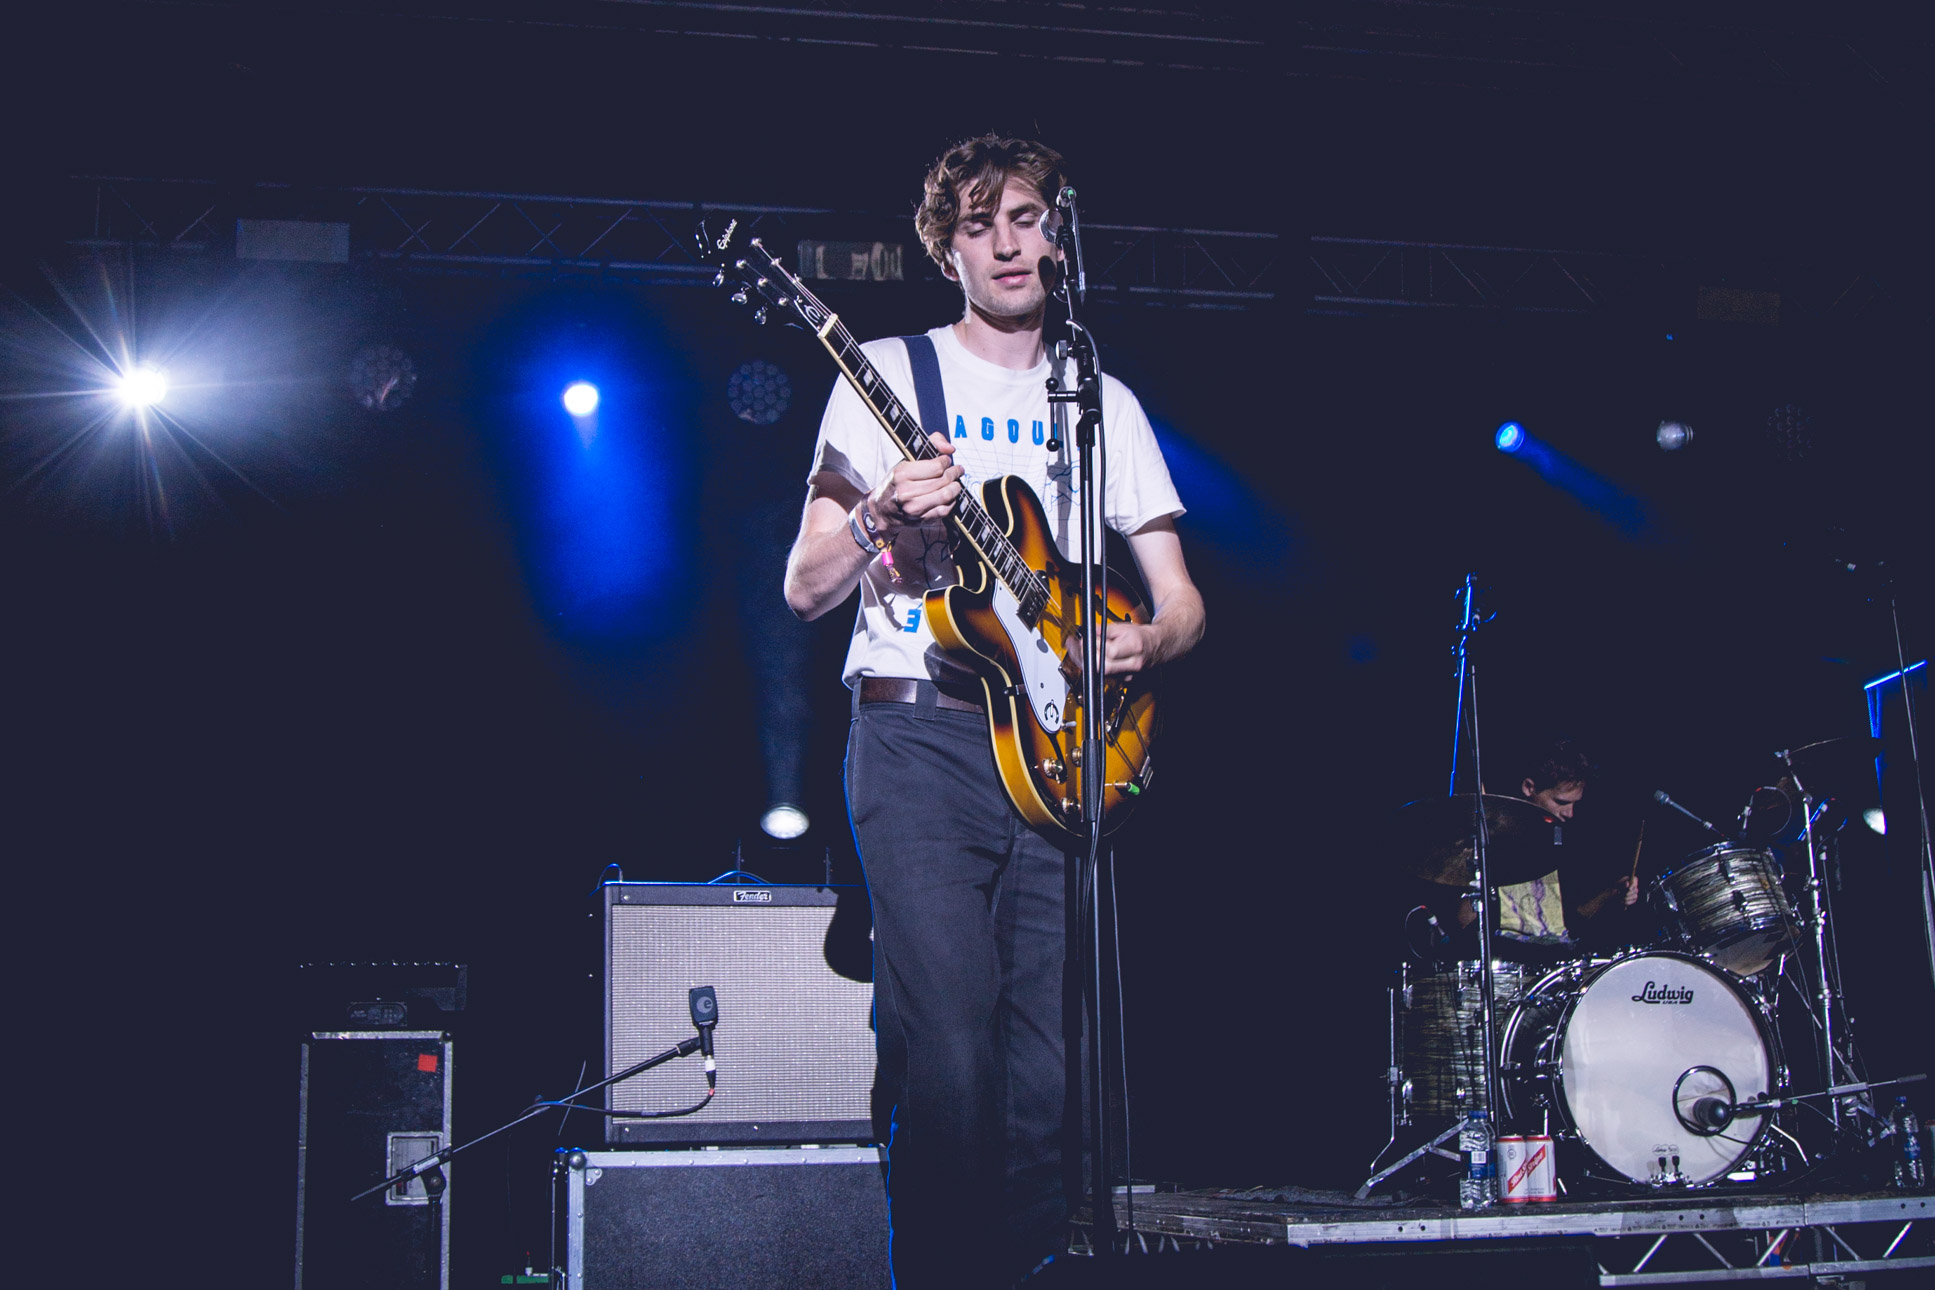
[
  {"x": 700, "y": 1105},
  {"x": 1410, "y": 943},
  {"x": 583, "y": 1066},
  {"x": 1122, "y": 1054}
]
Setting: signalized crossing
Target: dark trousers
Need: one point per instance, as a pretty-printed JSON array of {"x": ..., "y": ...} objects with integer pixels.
[{"x": 971, "y": 999}]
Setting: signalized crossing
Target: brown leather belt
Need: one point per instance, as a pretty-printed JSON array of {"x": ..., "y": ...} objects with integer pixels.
[{"x": 895, "y": 689}]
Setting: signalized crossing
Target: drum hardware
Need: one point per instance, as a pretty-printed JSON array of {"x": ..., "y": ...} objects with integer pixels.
[
  {"x": 1827, "y": 968},
  {"x": 1482, "y": 812}
]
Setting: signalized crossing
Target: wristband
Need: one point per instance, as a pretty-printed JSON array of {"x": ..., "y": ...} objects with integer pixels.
[
  {"x": 870, "y": 537},
  {"x": 859, "y": 538}
]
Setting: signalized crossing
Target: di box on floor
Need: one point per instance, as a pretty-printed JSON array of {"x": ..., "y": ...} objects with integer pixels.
[
  {"x": 801, "y": 1218},
  {"x": 372, "y": 1103},
  {"x": 791, "y": 967}
]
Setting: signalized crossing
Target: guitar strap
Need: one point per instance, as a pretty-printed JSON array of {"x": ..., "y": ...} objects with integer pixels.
[{"x": 927, "y": 382}]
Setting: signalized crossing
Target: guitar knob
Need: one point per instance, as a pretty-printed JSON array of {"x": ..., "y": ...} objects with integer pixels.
[
  {"x": 1075, "y": 757},
  {"x": 1052, "y": 769}
]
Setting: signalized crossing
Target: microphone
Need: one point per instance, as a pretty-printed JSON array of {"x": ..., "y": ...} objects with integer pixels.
[
  {"x": 1710, "y": 1115},
  {"x": 1063, "y": 225},
  {"x": 1659, "y": 795},
  {"x": 704, "y": 1003}
]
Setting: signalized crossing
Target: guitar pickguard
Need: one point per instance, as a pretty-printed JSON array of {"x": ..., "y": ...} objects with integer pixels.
[{"x": 1043, "y": 686}]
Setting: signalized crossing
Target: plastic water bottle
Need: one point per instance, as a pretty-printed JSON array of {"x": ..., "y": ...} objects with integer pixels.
[
  {"x": 1911, "y": 1170},
  {"x": 1479, "y": 1187}
]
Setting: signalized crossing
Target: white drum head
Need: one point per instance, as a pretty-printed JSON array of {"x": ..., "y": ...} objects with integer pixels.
[{"x": 1634, "y": 1030}]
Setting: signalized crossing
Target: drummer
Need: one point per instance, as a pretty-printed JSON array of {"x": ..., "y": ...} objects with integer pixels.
[
  {"x": 1537, "y": 923},
  {"x": 1535, "y": 913}
]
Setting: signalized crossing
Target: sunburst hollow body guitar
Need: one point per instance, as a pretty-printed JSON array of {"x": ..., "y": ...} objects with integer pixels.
[{"x": 1015, "y": 612}]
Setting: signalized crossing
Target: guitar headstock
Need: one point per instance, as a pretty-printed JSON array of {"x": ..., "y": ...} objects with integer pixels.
[{"x": 758, "y": 279}]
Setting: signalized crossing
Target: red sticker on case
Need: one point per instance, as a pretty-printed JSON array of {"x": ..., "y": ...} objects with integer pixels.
[{"x": 427, "y": 1062}]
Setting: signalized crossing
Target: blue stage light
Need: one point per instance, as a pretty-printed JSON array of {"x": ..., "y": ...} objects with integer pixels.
[
  {"x": 581, "y": 398},
  {"x": 1510, "y": 437}
]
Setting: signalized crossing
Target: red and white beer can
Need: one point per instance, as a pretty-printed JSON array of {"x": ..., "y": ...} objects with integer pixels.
[{"x": 1525, "y": 1169}]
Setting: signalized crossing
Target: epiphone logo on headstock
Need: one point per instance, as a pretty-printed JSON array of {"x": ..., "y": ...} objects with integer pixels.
[
  {"x": 725, "y": 238},
  {"x": 1664, "y": 994}
]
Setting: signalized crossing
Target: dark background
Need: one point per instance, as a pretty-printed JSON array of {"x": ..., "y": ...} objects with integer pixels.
[{"x": 303, "y": 683}]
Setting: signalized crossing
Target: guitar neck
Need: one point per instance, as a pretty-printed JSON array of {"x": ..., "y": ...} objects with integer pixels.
[{"x": 968, "y": 517}]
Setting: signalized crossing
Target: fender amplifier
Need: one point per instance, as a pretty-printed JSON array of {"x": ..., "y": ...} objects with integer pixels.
[{"x": 794, "y": 1040}]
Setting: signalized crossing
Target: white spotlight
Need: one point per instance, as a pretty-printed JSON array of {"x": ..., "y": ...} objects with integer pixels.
[
  {"x": 1874, "y": 819},
  {"x": 1673, "y": 435},
  {"x": 784, "y": 821},
  {"x": 581, "y": 398},
  {"x": 143, "y": 387}
]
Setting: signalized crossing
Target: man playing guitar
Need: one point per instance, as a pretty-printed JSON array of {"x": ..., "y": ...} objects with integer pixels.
[{"x": 970, "y": 903}]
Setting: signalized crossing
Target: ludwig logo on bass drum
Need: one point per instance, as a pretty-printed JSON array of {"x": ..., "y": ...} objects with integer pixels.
[{"x": 1664, "y": 994}]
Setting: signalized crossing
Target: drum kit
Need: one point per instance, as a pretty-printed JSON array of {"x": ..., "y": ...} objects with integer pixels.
[{"x": 1648, "y": 1067}]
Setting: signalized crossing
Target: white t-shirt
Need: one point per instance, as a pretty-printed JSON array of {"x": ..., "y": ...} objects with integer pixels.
[{"x": 1001, "y": 424}]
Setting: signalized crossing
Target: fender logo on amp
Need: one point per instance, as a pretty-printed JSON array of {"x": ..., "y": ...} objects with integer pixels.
[{"x": 744, "y": 896}]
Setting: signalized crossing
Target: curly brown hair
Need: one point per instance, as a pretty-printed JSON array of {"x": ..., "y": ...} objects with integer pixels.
[
  {"x": 1560, "y": 762},
  {"x": 969, "y": 179}
]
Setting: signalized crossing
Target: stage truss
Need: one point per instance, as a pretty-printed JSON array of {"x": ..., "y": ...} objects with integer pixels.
[
  {"x": 622, "y": 242},
  {"x": 1677, "y": 1240}
]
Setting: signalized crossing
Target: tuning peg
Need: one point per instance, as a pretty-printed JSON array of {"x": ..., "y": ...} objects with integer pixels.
[
  {"x": 719, "y": 278},
  {"x": 784, "y": 302},
  {"x": 759, "y": 316},
  {"x": 741, "y": 265},
  {"x": 739, "y": 297},
  {"x": 758, "y": 243}
]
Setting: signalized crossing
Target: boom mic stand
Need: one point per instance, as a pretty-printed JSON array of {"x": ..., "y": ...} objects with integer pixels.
[
  {"x": 1091, "y": 450},
  {"x": 704, "y": 1004}
]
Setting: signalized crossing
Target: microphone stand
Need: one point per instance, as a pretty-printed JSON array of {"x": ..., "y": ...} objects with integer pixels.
[
  {"x": 1089, "y": 447},
  {"x": 431, "y": 1166}
]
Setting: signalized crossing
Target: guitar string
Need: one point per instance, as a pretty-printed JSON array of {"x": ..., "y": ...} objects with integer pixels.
[{"x": 1030, "y": 588}]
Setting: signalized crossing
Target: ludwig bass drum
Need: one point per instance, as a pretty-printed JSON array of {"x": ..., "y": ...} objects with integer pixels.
[{"x": 1633, "y": 1058}]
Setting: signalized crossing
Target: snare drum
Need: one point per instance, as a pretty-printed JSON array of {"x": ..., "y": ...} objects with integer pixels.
[
  {"x": 1726, "y": 902},
  {"x": 1623, "y": 1054},
  {"x": 1441, "y": 1036}
]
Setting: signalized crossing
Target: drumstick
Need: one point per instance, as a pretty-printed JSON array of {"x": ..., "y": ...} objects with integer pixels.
[{"x": 1636, "y": 847}]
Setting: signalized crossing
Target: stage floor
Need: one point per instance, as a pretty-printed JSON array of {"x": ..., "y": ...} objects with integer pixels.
[{"x": 1684, "y": 1238}]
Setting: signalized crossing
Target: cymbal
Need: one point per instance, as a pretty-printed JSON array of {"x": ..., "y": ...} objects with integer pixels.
[
  {"x": 1433, "y": 835},
  {"x": 1836, "y": 767}
]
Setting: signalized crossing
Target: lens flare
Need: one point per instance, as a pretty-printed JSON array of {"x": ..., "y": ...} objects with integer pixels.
[{"x": 143, "y": 387}]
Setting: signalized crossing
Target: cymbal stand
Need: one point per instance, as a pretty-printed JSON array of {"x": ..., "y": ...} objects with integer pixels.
[
  {"x": 1827, "y": 981},
  {"x": 1465, "y": 718},
  {"x": 1470, "y": 620}
]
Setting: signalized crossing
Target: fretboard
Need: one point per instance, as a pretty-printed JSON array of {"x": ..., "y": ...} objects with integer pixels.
[{"x": 968, "y": 516}]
